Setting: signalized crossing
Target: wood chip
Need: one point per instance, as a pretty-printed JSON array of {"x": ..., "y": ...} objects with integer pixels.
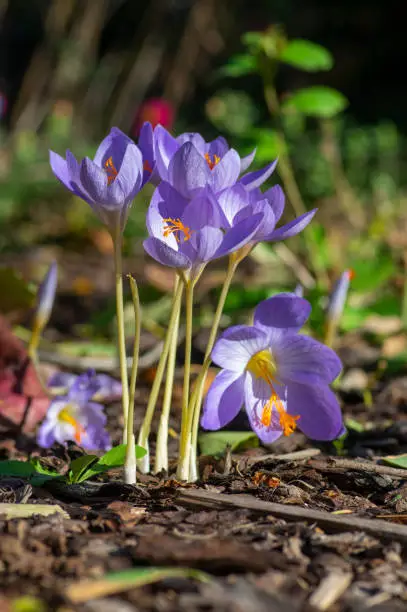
[
  {"x": 11, "y": 511},
  {"x": 331, "y": 588}
]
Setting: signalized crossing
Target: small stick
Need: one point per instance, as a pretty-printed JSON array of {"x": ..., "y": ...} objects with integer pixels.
[
  {"x": 300, "y": 455},
  {"x": 373, "y": 527},
  {"x": 330, "y": 589},
  {"x": 336, "y": 464}
]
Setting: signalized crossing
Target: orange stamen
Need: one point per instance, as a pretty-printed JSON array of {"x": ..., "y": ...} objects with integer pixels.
[
  {"x": 147, "y": 167},
  {"x": 64, "y": 415},
  {"x": 212, "y": 162},
  {"x": 110, "y": 170},
  {"x": 176, "y": 227}
]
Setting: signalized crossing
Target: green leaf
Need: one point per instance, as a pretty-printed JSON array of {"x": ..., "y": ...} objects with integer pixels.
[
  {"x": 118, "y": 582},
  {"x": 318, "y": 101},
  {"x": 15, "y": 293},
  {"x": 306, "y": 55},
  {"x": 80, "y": 467},
  {"x": 399, "y": 461},
  {"x": 12, "y": 467},
  {"x": 40, "y": 469},
  {"x": 215, "y": 442},
  {"x": 114, "y": 458},
  {"x": 239, "y": 65}
]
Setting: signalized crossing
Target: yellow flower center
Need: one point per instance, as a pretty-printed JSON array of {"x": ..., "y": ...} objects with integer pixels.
[
  {"x": 176, "y": 227},
  {"x": 262, "y": 365},
  {"x": 212, "y": 161},
  {"x": 110, "y": 170},
  {"x": 66, "y": 417}
]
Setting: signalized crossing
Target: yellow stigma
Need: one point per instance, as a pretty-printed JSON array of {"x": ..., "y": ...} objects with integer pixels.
[
  {"x": 212, "y": 162},
  {"x": 66, "y": 416},
  {"x": 110, "y": 170},
  {"x": 176, "y": 227},
  {"x": 262, "y": 365}
]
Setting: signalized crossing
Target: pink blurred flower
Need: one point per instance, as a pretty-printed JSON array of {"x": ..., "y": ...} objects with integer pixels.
[{"x": 154, "y": 110}]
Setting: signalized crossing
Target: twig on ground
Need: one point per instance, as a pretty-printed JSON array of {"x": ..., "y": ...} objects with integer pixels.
[
  {"x": 337, "y": 464},
  {"x": 307, "y": 453}
]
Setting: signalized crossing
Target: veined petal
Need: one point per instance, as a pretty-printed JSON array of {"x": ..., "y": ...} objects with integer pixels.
[
  {"x": 304, "y": 360},
  {"x": 202, "y": 211},
  {"x": 319, "y": 411},
  {"x": 114, "y": 145},
  {"x": 94, "y": 180},
  {"x": 129, "y": 179},
  {"x": 188, "y": 171},
  {"x": 257, "y": 394},
  {"x": 165, "y": 147},
  {"x": 240, "y": 235},
  {"x": 245, "y": 162},
  {"x": 232, "y": 201},
  {"x": 291, "y": 229},
  {"x": 218, "y": 147},
  {"x": 59, "y": 167},
  {"x": 196, "y": 139},
  {"x": 224, "y": 400},
  {"x": 226, "y": 172},
  {"x": 206, "y": 242},
  {"x": 165, "y": 255},
  {"x": 251, "y": 180},
  {"x": 261, "y": 207},
  {"x": 146, "y": 146},
  {"x": 276, "y": 199},
  {"x": 237, "y": 345},
  {"x": 284, "y": 310}
]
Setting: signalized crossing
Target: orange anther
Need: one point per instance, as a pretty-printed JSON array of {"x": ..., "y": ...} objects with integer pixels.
[{"x": 110, "y": 170}]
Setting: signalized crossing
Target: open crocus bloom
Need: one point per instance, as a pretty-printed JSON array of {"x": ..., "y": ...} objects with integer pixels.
[
  {"x": 186, "y": 234},
  {"x": 110, "y": 182},
  {"x": 74, "y": 417},
  {"x": 106, "y": 388},
  {"x": 281, "y": 377}
]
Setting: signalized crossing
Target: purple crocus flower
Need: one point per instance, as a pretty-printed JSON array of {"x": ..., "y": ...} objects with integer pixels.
[
  {"x": 280, "y": 376},
  {"x": 189, "y": 163},
  {"x": 109, "y": 182},
  {"x": 186, "y": 234},
  {"x": 75, "y": 417},
  {"x": 108, "y": 389},
  {"x": 337, "y": 298},
  {"x": 46, "y": 296},
  {"x": 146, "y": 145}
]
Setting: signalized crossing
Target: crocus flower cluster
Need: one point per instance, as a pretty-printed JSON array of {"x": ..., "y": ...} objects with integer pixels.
[
  {"x": 281, "y": 377},
  {"x": 74, "y": 415},
  {"x": 207, "y": 204}
]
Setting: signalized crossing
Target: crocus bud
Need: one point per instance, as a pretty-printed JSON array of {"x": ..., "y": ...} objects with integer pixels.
[
  {"x": 336, "y": 305},
  {"x": 46, "y": 297}
]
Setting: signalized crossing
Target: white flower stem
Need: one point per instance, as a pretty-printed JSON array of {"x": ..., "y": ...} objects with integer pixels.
[
  {"x": 161, "y": 456},
  {"x": 121, "y": 340},
  {"x": 186, "y": 421},
  {"x": 130, "y": 474},
  {"x": 197, "y": 395},
  {"x": 144, "y": 463}
]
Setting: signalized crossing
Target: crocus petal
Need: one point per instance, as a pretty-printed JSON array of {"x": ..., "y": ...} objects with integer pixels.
[
  {"x": 268, "y": 223},
  {"x": 276, "y": 200},
  {"x": 129, "y": 179},
  {"x": 114, "y": 145},
  {"x": 304, "y": 360},
  {"x": 45, "y": 434},
  {"x": 94, "y": 180},
  {"x": 218, "y": 147},
  {"x": 59, "y": 167},
  {"x": 109, "y": 389},
  {"x": 245, "y": 162},
  {"x": 46, "y": 296},
  {"x": 292, "y": 228},
  {"x": 205, "y": 243},
  {"x": 146, "y": 146},
  {"x": 319, "y": 411},
  {"x": 251, "y": 180},
  {"x": 224, "y": 400},
  {"x": 202, "y": 211},
  {"x": 232, "y": 201},
  {"x": 165, "y": 147},
  {"x": 237, "y": 345},
  {"x": 165, "y": 255},
  {"x": 188, "y": 170},
  {"x": 84, "y": 388},
  {"x": 61, "y": 381},
  {"x": 196, "y": 139},
  {"x": 284, "y": 310},
  {"x": 240, "y": 235},
  {"x": 257, "y": 394},
  {"x": 226, "y": 172}
]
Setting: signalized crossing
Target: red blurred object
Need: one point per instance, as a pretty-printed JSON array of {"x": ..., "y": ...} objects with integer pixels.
[{"x": 154, "y": 110}]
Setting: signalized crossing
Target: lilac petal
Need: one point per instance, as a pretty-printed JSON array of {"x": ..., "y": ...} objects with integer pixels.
[
  {"x": 218, "y": 147},
  {"x": 292, "y": 228},
  {"x": 276, "y": 199},
  {"x": 235, "y": 347},
  {"x": 146, "y": 146},
  {"x": 109, "y": 390},
  {"x": 226, "y": 172},
  {"x": 284, "y": 310},
  {"x": 160, "y": 211},
  {"x": 60, "y": 382},
  {"x": 165, "y": 255},
  {"x": 268, "y": 222},
  {"x": 304, "y": 360},
  {"x": 319, "y": 411},
  {"x": 46, "y": 295},
  {"x": 194, "y": 138},
  {"x": 114, "y": 145},
  {"x": 96, "y": 439},
  {"x": 46, "y": 434},
  {"x": 129, "y": 179},
  {"x": 202, "y": 211},
  {"x": 165, "y": 148},
  {"x": 84, "y": 388},
  {"x": 251, "y": 180},
  {"x": 59, "y": 167},
  {"x": 94, "y": 180},
  {"x": 205, "y": 243},
  {"x": 188, "y": 170},
  {"x": 232, "y": 200},
  {"x": 257, "y": 394},
  {"x": 240, "y": 235},
  {"x": 224, "y": 400},
  {"x": 245, "y": 162}
]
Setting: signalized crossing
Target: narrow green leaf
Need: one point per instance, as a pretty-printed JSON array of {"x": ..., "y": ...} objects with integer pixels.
[
  {"x": 116, "y": 456},
  {"x": 239, "y": 65},
  {"x": 318, "y": 101},
  {"x": 399, "y": 461},
  {"x": 215, "y": 442},
  {"x": 12, "y": 467},
  {"x": 306, "y": 55},
  {"x": 80, "y": 467}
]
